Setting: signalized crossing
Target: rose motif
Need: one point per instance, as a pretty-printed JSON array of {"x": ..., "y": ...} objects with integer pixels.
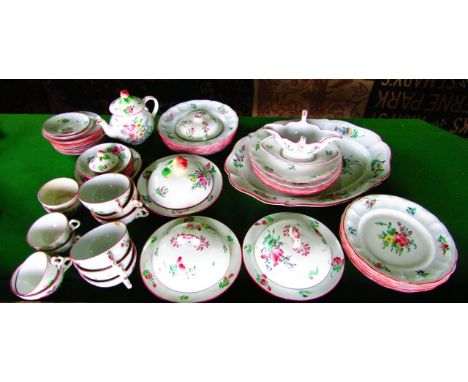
[{"x": 400, "y": 239}]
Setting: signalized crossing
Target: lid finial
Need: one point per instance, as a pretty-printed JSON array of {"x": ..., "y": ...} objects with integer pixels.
[{"x": 124, "y": 93}]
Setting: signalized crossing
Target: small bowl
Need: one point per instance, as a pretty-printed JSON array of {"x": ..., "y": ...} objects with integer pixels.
[
  {"x": 58, "y": 194},
  {"x": 106, "y": 194},
  {"x": 180, "y": 182},
  {"x": 51, "y": 231}
]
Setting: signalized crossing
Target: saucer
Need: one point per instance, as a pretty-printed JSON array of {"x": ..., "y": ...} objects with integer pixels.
[
  {"x": 366, "y": 164},
  {"x": 191, "y": 259},
  {"x": 293, "y": 256},
  {"x": 66, "y": 124},
  {"x": 211, "y": 197}
]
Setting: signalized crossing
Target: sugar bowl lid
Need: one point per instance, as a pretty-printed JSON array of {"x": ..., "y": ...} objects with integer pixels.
[
  {"x": 126, "y": 105},
  {"x": 103, "y": 162},
  {"x": 180, "y": 181},
  {"x": 199, "y": 126}
]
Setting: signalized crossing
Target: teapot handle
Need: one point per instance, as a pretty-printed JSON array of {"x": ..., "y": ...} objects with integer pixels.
[{"x": 156, "y": 104}]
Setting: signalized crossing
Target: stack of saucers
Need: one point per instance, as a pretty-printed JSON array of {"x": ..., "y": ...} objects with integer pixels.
[
  {"x": 198, "y": 127},
  {"x": 105, "y": 256},
  {"x": 73, "y": 133},
  {"x": 107, "y": 158},
  {"x": 179, "y": 185},
  {"x": 397, "y": 243},
  {"x": 112, "y": 198},
  {"x": 295, "y": 158}
]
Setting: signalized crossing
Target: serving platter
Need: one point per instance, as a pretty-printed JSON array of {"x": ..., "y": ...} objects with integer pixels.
[
  {"x": 366, "y": 164},
  {"x": 293, "y": 256},
  {"x": 190, "y": 259}
]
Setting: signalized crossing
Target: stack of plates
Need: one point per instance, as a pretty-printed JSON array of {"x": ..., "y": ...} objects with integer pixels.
[
  {"x": 73, "y": 133},
  {"x": 397, "y": 243},
  {"x": 128, "y": 161},
  {"x": 200, "y": 127}
]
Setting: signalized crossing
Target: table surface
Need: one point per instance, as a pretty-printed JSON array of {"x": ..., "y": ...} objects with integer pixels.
[{"x": 429, "y": 167}]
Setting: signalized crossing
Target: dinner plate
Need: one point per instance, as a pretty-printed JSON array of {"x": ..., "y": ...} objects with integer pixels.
[
  {"x": 366, "y": 164},
  {"x": 190, "y": 259},
  {"x": 152, "y": 206},
  {"x": 293, "y": 256},
  {"x": 171, "y": 119},
  {"x": 399, "y": 239}
]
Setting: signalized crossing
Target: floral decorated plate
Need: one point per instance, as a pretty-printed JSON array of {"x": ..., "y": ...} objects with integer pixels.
[
  {"x": 293, "y": 256},
  {"x": 366, "y": 164},
  {"x": 120, "y": 151},
  {"x": 66, "y": 124},
  {"x": 190, "y": 259},
  {"x": 208, "y": 168},
  {"x": 181, "y": 125},
  {"x": 399, "y": 239}
]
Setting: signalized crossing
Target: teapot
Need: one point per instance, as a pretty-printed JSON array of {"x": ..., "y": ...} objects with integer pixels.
[
  {"x": 131, "y": 122},
  {"x": 301, "y": 140}
]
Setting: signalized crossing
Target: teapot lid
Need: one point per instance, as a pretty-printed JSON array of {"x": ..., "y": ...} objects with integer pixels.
[{"x": 126, "y": 105}]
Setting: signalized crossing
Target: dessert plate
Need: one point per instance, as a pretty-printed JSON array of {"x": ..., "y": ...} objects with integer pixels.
[
  {"x": 366, "y": 164},
  {"x": 171, "y": 123},
  {"x": 398, "y": 239},
  {"x": 66, "y": 124},
  {"x": 190, "y": 259},
  {"x": 293, "y": 256},
  {"x": 211, "y": 197}
]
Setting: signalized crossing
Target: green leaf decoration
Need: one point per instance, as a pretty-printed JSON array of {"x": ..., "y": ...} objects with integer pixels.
[
  {"x": 166, "y": 172},
  {"x": 229, "y": 238},
  {"x": 184, "y": 297}
]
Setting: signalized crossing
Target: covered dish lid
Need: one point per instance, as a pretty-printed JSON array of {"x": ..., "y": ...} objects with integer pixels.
[
  {"x": 180, "y": 182},
  {"x": 126, "y": 105},
  {"x": 199, "y": 125}
]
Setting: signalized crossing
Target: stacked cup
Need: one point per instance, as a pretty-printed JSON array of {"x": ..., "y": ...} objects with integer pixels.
[
  {"x": 111, "y": 198},
  {"x": 105, "y": 256},
  {"x": 59, "y": 195}
]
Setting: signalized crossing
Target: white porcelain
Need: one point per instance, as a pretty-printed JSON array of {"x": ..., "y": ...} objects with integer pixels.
[
  {"x": 265, "y": 152},
  {"x": 399, "y": 239},
  {"x": 119, "y": 151},
  {"x": 220, "y": 118},
  {"x": 110, "y": 271},
  {"x": 131, "y": 122},
  {"x": 199, "y": 125},
  {"x": 103, "y": 162},
  {"x": 58, "y": 194},
  {"x": 66, "y": 123},
  {"x": 134, "y": 214},
  {"x": 132, "y": 202},
  {"x": 51, "y": 231},
  {"x": 366, "y": 164},
  {"x": 37, "y": 276},
  {"x": 211, "y": 197},
  {"x": 293, "y": 256},
  {"x": 106, "y": 194},
  {"x": 301, "y": 140},
  {"x": 190, "y": 260},
  {"x": 100, "y": 246},
  {"x": 180, "y": 181},
  {"x": 68, "y": 211},
  {"x": 121, "y": 278}
]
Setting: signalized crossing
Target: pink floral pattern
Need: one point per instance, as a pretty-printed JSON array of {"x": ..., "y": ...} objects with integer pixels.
[
  {"x": 273, "y": 253},
  {"x": 200, "y": 243},
  {"x": 398, "y": 238}
]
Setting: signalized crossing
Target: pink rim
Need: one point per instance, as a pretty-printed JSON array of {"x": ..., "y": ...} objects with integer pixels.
[
  {"x": 206, "y": 149},
  {"x": 129, "y": 251}
]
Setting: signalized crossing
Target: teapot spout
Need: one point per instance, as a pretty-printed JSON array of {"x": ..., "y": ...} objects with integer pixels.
[{"x": 106, "y": 127}]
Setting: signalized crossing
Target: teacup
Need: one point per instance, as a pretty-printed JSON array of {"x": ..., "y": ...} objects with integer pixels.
[
  {"x": 52, "y": 233},
  {"x": 111, "y": 271},
  {"x": 106, "y": 194},
  {"x": 38, "y": 275},
  {"x": 100, "y": 247},
  {"x": 58, "y": 194},
  {"x": 138, "y": 212}
]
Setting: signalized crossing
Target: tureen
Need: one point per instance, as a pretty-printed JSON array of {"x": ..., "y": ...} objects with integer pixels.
[
  {"x": 180, "y": 182},
  {"x": 301, "y": 140},
  {"x": 398, "y": 240},
  {"x": 190, "y": 259},
  {"x": 131, "y": 121},
  {"x": 189, "y": 183},
  {"x": 293, "y": 256}
]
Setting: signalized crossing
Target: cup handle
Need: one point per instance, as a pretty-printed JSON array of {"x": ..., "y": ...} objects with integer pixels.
[
  {"x": 75, "y": 239},
  {"x": 58, "y": 261},
  {"x": 122, "y": 272},
  {"x": 74, "y": 224},
  {"x": 142, "y": 213},
  {"x": 67, "y": 263},
  {"x": 156, "y": 104},
  {"x": 137, "y": 203}
]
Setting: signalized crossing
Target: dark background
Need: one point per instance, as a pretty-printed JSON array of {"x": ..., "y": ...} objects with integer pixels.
[{"x": 441, "y": 102}]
